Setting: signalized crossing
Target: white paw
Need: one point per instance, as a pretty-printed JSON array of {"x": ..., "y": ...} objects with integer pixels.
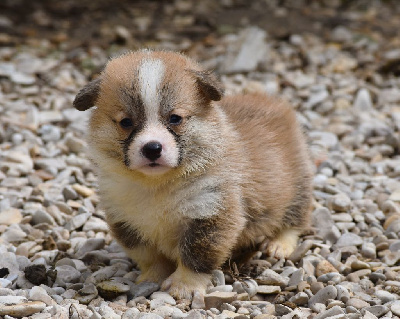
[
  {"x": 283, "y": 245},
  {"x": 183, "y": 283}
]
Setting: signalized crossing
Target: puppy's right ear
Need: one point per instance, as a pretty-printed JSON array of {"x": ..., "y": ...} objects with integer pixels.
[{"x": 87, "y": 97}]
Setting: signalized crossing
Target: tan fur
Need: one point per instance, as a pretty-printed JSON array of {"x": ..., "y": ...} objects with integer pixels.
[{"x": 244, "y": 174}]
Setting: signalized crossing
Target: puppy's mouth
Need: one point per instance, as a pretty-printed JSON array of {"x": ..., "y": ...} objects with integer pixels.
[{"x": 154, "y": 164}]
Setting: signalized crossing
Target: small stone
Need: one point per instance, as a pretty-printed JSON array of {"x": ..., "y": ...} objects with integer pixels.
[
  {"x": 343, "y": 293},
  {"x": 363, "y": 101},
  {"x": 90, "y": 245},
  {"x": 223, "y": 288},
  {"x": 144, "y": 289},
  {"x": 368, "y": 250},
  {"x": 41, "y": 216},
  {"x": 281, "y": 310},
  {"x": 198, "y": 300},
  {"x": 301, "y": 250},
  {"x": 296, "y": 277},
  {"x": 10, "y": 216},
  {"x": 334, "y": 311},
  {"x": 340, "y": 202},
  {"x": 37, "y": 293},
  {"x": 111, "y": 289},
  {"x": 36, "y": 274},
  {"x": 218, "y": 277},
  {"x": 395, "y": 308},
  {"x": 83, "y": 190},
  {"x": 322, "y": 296},
  {"x": 349, "y": 239},
  {"x": 385, "y": 296},
  {"x": 250, "y": 287},
  {"x": 69, "y": 193},
  {"x": 270, "y": 277},
  {"x": 67, "y": 274},
  {"x": 378, "y": 310},
  {"x": 300, "y": 299},
  {"x": 22, "y": 309},
  {"x": 165, "y": 297},
  {"x": 131, "y": 313},
  {"x": 358, "y": 264},
  {"x": 216, "y": 299},
  {"x": 357, "y": 303},
  {"x": 324, "y": 267},
  {"x": 266, "y": 290},
  {"x": 77, "y": 221}
]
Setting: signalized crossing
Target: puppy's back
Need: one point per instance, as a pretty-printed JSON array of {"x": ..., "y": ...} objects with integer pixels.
[{"x": 278, "y": 167}]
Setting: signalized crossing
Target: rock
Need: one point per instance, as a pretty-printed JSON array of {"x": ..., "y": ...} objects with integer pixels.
[
  {"x": 216, "y": 299},
  {"x": 69, "y": 193},
  {"x": 9, "y": 261},
  {"x": 218, "y": 277},
  {"x": 131, "y": 313},
  {"x": 165, "y": 297},
  {"x": 377, "y": 310},
  {"x": 343, "y": 293},
  {"x": 111, "y": 289},
  {"x": 144, "y": 289},
  {"x": 363, "y": 101},
  {"x": 37, "y": 293},
  {"x": 264, "y": 289},
  {"x": 316, "y": 98},
  {"x": 22, "y": 309},
  {"x": 246, "y": 53},
  {"x": 358, "y": 264},
  {"x": 334, "y": 311},
  {"x": 300, "y": 299},
  {"x": 270, "y": 277},
  {"x": 324, "y": 267},
  {"x": 67, "y": 274},
  {"x": 325, "y": 139},
  {"x": 83, "y": 190},
  {"x": 322, "y": 296},
  {"x": 357, "y": 303},
  {"x": 340, "y": 202},
  {"x": 296, "y": 277},
  {"x": 50, "y": 133},
  {"x": 40, "y": 216},
  {"x": 148, "y": 316},
  {"x": 77, "y": 221},
  {"x": 90, "y": 245},
  {"x": 281, "y": 310},
  {"x": 250, "y": 287},
  {"x": 224, "y": 288},
  {"x": 301, "y": 250},
  {"x": 198, "y": 300},
  {"x": 395, "y": 308},
  {"x": 36, "y": 274},
  {"x": 385, "y": 296},
  {"x": 10, "y": 216},
  {"x": 349, "y": 239}
]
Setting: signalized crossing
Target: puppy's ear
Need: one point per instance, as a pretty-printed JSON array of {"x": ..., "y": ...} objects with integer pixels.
[
  {"x": 208, "y": 85},
  {"x": 86, "y": 98}
]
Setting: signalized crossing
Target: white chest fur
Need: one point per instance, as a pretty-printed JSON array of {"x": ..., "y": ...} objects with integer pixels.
[{"x": 160, "y": 216}]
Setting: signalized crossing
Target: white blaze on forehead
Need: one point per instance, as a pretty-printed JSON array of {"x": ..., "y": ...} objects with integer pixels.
[{"x": 151, "y": 73}]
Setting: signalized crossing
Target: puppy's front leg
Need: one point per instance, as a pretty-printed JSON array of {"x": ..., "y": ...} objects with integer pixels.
[{"x": 204, "y": 246}]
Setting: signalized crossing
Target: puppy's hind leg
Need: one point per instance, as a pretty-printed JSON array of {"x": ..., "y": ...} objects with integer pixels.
[{"x": 284, "y": 244}]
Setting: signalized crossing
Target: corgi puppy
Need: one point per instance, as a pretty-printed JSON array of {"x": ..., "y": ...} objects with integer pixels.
[{"x": 189, "y": 178}]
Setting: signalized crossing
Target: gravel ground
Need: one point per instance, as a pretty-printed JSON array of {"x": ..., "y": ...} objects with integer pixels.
[{"x": 57, "y": 259}]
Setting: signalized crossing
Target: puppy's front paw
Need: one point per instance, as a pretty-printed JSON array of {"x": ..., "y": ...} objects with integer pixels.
[
  {"x": 284, "y": 244},
  {"x": 184, "y": 282}
]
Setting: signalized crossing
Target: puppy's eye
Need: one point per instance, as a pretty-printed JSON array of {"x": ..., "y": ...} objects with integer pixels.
[
  {"x": 175, "y": 119},
  {"x": 126, "y": 123}
]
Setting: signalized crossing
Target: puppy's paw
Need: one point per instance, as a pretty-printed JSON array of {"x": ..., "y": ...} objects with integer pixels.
[
  {"x": 183, "y": 283},
  {"x": 156, "y": 273},
  {"x": 284, "y": 244}
]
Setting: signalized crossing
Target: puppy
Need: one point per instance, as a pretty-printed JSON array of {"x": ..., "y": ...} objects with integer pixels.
[{"x": 188, "y": 178}]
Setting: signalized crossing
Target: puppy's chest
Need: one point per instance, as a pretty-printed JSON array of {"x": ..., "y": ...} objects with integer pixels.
[{"x": 160, "y": 216}]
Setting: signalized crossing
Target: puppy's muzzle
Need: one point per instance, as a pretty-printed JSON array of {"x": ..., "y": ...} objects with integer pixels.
[{"x": 152, "y": 150}]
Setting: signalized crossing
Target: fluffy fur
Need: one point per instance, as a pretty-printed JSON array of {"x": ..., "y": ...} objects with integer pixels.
[{"x": 233, "y": 171}]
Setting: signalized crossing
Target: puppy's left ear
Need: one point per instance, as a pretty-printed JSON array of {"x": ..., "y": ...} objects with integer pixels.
[
  {"x": 208, "y": 85},
  {"x": 87, "y": 96}
]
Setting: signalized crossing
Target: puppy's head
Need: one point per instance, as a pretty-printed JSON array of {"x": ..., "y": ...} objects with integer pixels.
[{"x": 153, "y": 113}]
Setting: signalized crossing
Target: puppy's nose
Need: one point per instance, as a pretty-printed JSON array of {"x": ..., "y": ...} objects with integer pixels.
[{"x": 152, "y": 150}]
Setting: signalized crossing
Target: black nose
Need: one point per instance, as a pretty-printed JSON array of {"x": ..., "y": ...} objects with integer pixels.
[{"x": 152, "y": 150}]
